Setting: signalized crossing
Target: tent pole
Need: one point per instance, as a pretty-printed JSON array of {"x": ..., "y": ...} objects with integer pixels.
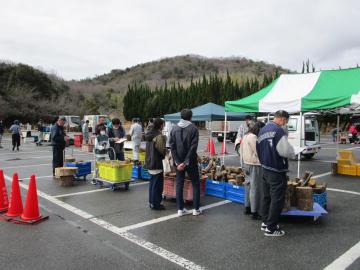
[
  {"x": 224, "y": 141},
  {"x": 300, "y": 139},
  {"x": 337, "y": 133}
]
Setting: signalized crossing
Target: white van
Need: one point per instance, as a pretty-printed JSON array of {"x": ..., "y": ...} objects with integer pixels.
[
  {"x": 93, "y": 120},
  {"x": 310, "y": 138},
  {"x": 73, "y": 122}
]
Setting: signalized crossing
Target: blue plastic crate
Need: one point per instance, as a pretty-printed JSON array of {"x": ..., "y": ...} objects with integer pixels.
[
  {"x": 145, "y": 175},
  {"x": 84, "y": 168},
  {"x": 136, "y": 172},
  {"x": 235, "y": 193},
  {"x": 321, "y": 199},
  {"x": 215, "y": 188}
]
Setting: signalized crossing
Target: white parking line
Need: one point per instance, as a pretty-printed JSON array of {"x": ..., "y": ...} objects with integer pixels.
[
  {"x": 321, "y": 175},
  {"x": 165, "y": 218},
  {"x": 37, "y": 177},
  {"x": 26, "y": 166},
  {"x": 343, "y": 191},
  {"x": 345, "y": 260},
  {"x": 93, "y": 191},
  {"x": 41, "y": 157},
  {"x": 172, "y": 257}
]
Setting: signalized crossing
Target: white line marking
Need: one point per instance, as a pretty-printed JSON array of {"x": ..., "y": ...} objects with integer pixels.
[
  {"x": 345, "y": 260},
  {"x": 14, "y": 153},
  {"x": 37, "y": 177},
  {"x": 343, "y": 191},
  {"x": 172, "y": 257},
  {"x": 161, "y": 219},
  {"x": 93, "y": 191},
  {"x": 41, "y": 157},
  {"x": 321, "y": 175},
  {"x": 324, "y": 161},
  {"x": 35, "y": 165}
]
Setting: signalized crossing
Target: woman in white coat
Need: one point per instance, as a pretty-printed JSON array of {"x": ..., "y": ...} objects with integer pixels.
[{"x": 252, "y": 167}]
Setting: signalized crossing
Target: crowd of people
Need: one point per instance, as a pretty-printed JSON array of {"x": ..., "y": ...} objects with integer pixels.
[{"x": 264, "y": 153}]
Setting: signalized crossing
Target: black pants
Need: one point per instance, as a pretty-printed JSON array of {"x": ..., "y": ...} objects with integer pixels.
[
  {"x": 156, "y": 189},
  {"x": 119, "y": 156},
  {"x": 274, "y": 188},
  {"x": 193, "y": 173},
  {"x": 16, "y": 140},
  {"x": 58, "y": 157}
]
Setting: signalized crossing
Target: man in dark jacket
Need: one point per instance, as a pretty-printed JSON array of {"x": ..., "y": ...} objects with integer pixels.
[
  {"x": 100, "y": 124},
  {"x": 155, "y": 153},
  {"x": 116, "y": 133},
  {"x": 184, "y": 140},
  {"x": 58, "y": 142},
  {"x": 274, "y": 150}
]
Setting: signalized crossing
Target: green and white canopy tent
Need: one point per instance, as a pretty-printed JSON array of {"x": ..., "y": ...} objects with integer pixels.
[
  {"x": 323, "y": 90},
  {"x": 330, "y": 90}
]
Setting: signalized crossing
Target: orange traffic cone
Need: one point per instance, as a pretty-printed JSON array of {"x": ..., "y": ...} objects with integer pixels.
[
  {"x": 208, "y": 146},
  {"x": 4, "y": 201},
  {"x": 15, "y": 205},
  {"x": 212, "y": 148},
  {"x": 31, "y": 211},
  {"x": 223, "y": 148}
]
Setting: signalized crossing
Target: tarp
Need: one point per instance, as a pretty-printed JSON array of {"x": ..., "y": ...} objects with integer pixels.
[
  {"x": 321, "y": 90},
  {"x": 208, "y": 112}
]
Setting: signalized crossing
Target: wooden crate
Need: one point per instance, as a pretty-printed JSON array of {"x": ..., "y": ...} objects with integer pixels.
[
  {"x": 87, "y": 148},
  {"x": 70, "y": 159},
  {"x": 66, "y": 181},
  {"x": 304, "y": 198},
  {"x": 65, "y": 171}
]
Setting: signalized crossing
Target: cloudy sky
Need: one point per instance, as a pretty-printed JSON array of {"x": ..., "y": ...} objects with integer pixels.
[{"x": 78, "y": 39}]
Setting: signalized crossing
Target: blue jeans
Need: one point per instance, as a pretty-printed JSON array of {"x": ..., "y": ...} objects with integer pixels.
[
  {"x": 156, "y": 189},
  {"x": 193, "y": 173}
]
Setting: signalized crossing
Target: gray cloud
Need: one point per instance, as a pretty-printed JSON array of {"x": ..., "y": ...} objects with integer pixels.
[{"x": 79, "y": 39}]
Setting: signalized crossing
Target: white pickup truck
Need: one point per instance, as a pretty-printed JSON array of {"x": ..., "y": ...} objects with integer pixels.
[{"x": 310, "y": 137}]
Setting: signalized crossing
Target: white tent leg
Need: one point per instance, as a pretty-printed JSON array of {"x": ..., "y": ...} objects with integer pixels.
[
  {"x": 337, "y": 134},
  {"x": 299, "y": 155},
  {"x": 224, "y": 140}
]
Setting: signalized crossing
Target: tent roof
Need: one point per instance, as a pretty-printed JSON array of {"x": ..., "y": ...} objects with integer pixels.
[
  {"x": 207, "y": 112},
  {"x": 322, "y": 90}
]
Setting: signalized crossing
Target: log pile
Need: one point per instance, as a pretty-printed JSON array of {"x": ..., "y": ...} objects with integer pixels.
[{"x": 300, "y": 192}]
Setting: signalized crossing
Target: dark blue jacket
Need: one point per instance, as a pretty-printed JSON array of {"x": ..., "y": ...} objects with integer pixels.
[
  {"x": 268, "y": 138},
  {"x": 58, "y": 136},
  {"x": 183, "y": 143}
]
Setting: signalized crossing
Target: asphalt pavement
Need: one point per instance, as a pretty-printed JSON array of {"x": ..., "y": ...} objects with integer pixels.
[{"x": 96, "y": 228}]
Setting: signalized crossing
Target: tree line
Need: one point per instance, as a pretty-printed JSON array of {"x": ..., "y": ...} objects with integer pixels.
[{"x": 143, "y": 102}]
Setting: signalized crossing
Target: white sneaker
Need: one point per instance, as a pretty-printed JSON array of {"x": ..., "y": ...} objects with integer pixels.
[
  {"x": 275, "y": 233},
  {"x": 263, "y": 226},
  {"x": 197, "y": 212},
  {"x": 182, "y": 212}
]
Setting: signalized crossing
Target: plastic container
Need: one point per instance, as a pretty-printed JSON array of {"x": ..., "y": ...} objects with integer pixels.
[
  {"x": 115, "y": 174},
  {"x": 321, "y": 199},
  {"x": 129, "y": 154},
  {"x": 347, "y": 169},
  {"x": 136, "y": 172},
  {"x": 235, "y": 193},
  {"x": 78, "y": 138},
  {"x": 84, "y": 168},
  {"x": 358, "y": 169},
  {"x": 215, "y": 188},
  {"x": 169, "y": 190},
  {"x": 145, "y": 175}
]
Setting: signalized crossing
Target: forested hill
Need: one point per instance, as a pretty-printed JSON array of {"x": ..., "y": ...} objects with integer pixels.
[
  {"x": 178, "y": 69},
  {"x": 28, "y": 94}
]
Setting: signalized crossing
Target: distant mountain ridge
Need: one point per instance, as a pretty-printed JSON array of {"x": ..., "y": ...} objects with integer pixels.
[{"x": 178, "y": 69}]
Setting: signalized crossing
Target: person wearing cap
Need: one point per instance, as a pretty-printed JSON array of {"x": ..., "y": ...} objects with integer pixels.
[
  {"x": 273, "y": 150},
  {"x": 136, "y": 133},
  {"x": 15, "y": 134},
  {"x": 58, "y": 142}
]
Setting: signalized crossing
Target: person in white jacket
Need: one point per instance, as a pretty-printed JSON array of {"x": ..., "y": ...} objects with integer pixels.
[
  {"x": 136, "y": 134},
  {"x": 252, "y": 167}
]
